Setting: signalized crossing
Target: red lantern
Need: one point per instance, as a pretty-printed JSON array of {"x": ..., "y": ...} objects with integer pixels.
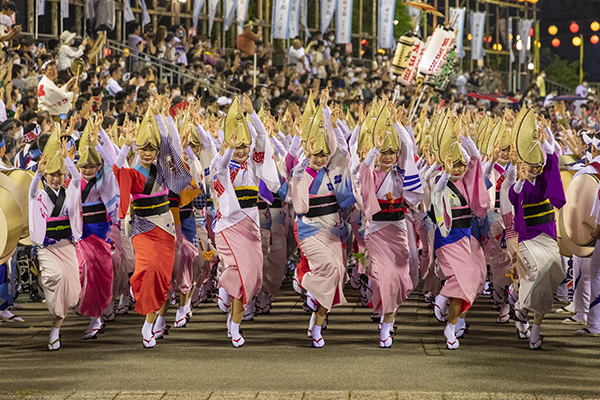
[
  {"x": 594, "y": 39},
  {"x": 574, "y": 27},
  {"x": 530, "y": 32},
  {"x": 555, "y": 42}
]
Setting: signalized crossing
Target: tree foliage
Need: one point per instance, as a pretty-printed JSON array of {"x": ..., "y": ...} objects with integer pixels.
[{"x": 559, "y": 70}]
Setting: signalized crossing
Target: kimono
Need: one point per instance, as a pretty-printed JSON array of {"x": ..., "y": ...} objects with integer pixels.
[
  {"x": 100, "y": 201},
  {"x": 55, "y": 223},
  {"x": 538, "y": 252},
  {"x": 459, "y": 254},
  {"x": 152, "y": 225},
  {"x": 318, "y": 197},
  {"x": 237, "y": 224}
]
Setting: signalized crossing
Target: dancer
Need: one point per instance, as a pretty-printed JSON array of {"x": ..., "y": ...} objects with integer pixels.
[
  {"x": 55, "y": 222},
  {"x": 458, "y": 193},
  {"x": 534, "y": 196},
  {"x": 386, "y": 234},
  {"x": 99, "y": 197},
  {"x": 320, "y": 188},
  {"x": 237, "y": 229},
  {"x": 158, "y": 170}
]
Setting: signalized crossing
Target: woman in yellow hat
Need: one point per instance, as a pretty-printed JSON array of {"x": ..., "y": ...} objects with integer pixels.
[
  {"x": 146, "y": 185},
  {"x": 241, "y": 167},
  {"x": 55, "y": 223},
  {"x": 320, "y": 188}
]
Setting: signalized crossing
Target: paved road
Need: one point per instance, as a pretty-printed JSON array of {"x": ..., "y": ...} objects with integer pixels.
[{"x": 277, "y": 362}]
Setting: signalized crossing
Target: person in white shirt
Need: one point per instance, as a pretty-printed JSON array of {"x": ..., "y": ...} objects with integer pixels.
[
  {"x": 51, "y": 98},
  {"x": 297, "y": 56},
  {"x": 66, "y": 53},
  {"x": 461, "y": 83},
  {"x": 115, "y": 73}
]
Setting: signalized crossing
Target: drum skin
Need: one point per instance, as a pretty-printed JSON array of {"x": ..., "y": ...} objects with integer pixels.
[
  {"x": 22, "y": 180},
  {"x": 565, "y": 248},
  {"x": 579, "y": 225},
  {"x": 11, "y": 224}
]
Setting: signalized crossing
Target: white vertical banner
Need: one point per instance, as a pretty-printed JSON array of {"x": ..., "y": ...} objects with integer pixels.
[
  {"x": 459, "y": 28},
  {"x": 524, "y": 29},
  {"x": 90, "y": 13},
  {"x": 197, "y": 7},
  {"x": 477, "y": 28},
  {"x": 343, "y": 26},
  {"x": 327, "y": 10},
  {"x": 229, "y": 7},
  {"x": 510, "y": 39},
  {"x": 305, "y": 17},
  {"x": 281, "y": 18},
  {"x": 212, "y": 11},
  {"x": 145, "y": 14},
  {"x": 64, "y": 8},
  {"x": 294, "y": 25},
  {"x": 385, "y": 30},
  {"x": 41, "y": 7},
  {"x": 242, "y": 11}
]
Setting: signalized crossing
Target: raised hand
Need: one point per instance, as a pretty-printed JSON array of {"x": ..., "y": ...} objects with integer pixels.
[
  {"x": 379, "y": 139},
  {"x": 324, "y": 97},
  {"x": 247, "y": 104},
  {"x": 233, "y": 143},
  {"x": 514, "y": 157},
  {"x": 130, "y": 133},
  {"x": 334, "y": 117},
  {"x": 448, "y": 164},
  {"x": 42, "y": 164}
]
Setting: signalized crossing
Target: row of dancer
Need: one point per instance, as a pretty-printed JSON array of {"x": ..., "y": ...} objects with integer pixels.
[{"x": 174, "y": 200}]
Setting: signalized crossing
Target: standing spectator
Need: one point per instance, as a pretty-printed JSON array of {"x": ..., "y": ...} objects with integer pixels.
[
  {"x": 541, "y": 84},
  {"x": 247, "y": 40},
  {"x": 160, "y": 43},
  {"x": 135, "y": 44},
  {"x": 297, "y": 57},
  {"x": 66, "y": 54},
  {"x": 461, "y": 83},
  {"x": 115, "y": 73},
  {"x": 57, "y": 101}
]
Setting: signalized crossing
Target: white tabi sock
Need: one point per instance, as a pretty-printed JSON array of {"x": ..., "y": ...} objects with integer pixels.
[
  {"x": 311, "y": 323},
  {"x": 147, "y": 330},
  {"x": 54, "y": 334},
  {"x": 234, "y": 329},
  {"x": 180, "y": 316},
  {"x": 385, "y": 330},
  {"x": 449, "y": 332},
  {"x": 317, "y": 339},
  {"x": 460, "y": 324},
  {"x": 535, "y": 333},
  {"x": 161, "y": 323}
]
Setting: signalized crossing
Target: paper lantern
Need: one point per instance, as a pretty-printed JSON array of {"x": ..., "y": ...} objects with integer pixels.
[
  {"x": 595, "y": 26},
  {"x": 410, "y": 72},
  {"x": 594, "y": 39},
  {"x": 402, "y": 54},
  {"x": 574, "y": 27},
  {"x": 553, "y": 30},
  {"x": 555, "y": 42},
  {"x": 470, "y": 37},
  {"x": 576, "y": 41},
  {"x": 530, "y": 32},
  {"x": 436, "y": 51}
]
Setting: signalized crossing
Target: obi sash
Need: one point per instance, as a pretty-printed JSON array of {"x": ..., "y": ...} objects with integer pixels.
[
  {"x": 391, "y": 210},
  {"x": 57, "y": 227},
  {"x": 93, "y": 213},
  {"x": 247, "y": 196},
  {"x": 323, "y": 205},
  {"x": 538, "y": 214}
]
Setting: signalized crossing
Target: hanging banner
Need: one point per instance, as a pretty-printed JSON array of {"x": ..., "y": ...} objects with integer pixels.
[
  {"x": 459, "y": 28},
  {"x": 294, "y": 25},
  {"x": 328, "y": 8},
  {"x": 41, "y": 7},
  {"x": 477, "y": 28},
  {"x": 386, "y": 24},
  {"x": 197, "y": 7},
  {"x": 343, "y": 22},
  {"x": 242, "y": 11},
  {"x": 305, "y": 17},
  {"x": 281, "y": 18},
  {"x": 510, "y": 39},
  {"x": 212, "y": 11},
  {"x": 147, "y": 19},
  {"x": 524, "y": 29},
  {"x": 90, "y": 13},
  {"x": 230, "y": 6},
  {"x": 64, "y": 8}
]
